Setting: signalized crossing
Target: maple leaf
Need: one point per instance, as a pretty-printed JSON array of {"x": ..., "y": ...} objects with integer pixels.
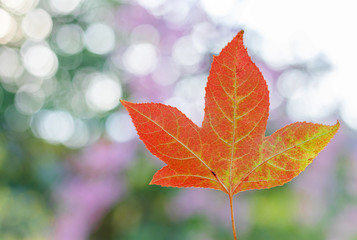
[{"x": 230, "y": 152}]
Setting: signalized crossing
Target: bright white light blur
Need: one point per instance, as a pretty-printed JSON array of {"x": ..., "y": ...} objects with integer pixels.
[
  {"x": 103, "y": 93},
  {"x": 185, "y": 53},
  {"x": 69, "y": 38},
  {"x": 315, "y": 103},
  {"x": 345, "y": 90},
  {"x": 291, "y": 82},
  {"x": 289, "y": 38},
  {"x": 119, "y": 127},
  {"x": 185, "y": 107},
  {"x": 349, "y": 114},
  {"x": 140, "y": 59},
  {"x": 11, "y": 66},
  {"x": 151, "y": 4},
  {"x": 29, "y": 99},
  {"x": 37, "y": 24},
  {"x": 192, "y": 89},
  {"x": 5, "y": 19},
  {"x": 20, "y": 6},
  {"x": 325, "y": 30},
  {"x": 99, "y": 38},
  {"x": 167, "y": 73},
  {"x": 177, "y": 11},
  {"x": 275, "y": 99},
  {"x": 80, "y": 136},
  {"x": 218, "y": 9},
  {"x": 64, "y": 6},
  {"x": 282, "y": 39},
  {"x": 53, "y": 126},
  {"x": 202, "y": 35},
  {"x": 48, "y": 86},
  {"x": 188, "y": 96},
  {"x": 7, "y": 27},
  {"x": 40, "y": 61},
  {"x": 145, "y": 33}
]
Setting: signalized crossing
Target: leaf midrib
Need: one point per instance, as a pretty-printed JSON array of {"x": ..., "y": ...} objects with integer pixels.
[{"x": 234, "y": 128}]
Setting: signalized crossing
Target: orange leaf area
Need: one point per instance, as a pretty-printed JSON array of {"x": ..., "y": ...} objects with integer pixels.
[{"x": 230, "y": 151}]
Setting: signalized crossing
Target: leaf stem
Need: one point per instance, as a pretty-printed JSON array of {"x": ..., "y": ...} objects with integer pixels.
[{"x": 232, "y": 215}]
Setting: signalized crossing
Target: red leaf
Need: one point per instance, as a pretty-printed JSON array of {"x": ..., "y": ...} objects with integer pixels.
[{"x": 230, "y": 151}]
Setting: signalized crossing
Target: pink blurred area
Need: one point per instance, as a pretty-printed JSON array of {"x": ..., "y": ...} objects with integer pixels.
[{"x": 93, "y": 186}]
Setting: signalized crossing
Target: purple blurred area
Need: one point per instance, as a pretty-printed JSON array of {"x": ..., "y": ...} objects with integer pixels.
[
  {"x": 93, "y": 185},
  {"x": 72, "y": 166}
]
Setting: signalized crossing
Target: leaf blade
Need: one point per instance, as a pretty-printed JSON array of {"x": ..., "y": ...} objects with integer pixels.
[
  {"x": 172, "y": 137},
  {"x": 170, "y": 178},
  {"x": 287, "y": 152},
  {"x": 236, "y": 110}
]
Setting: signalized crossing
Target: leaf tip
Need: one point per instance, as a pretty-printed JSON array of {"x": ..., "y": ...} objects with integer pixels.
[
  {"x": 239, "y": 36},
  {"x": 126, "y": 104},
  {"x": 123, "y": 101},
  {"x": 337, "y": 124},
  {"x": 154, "y": 182}
]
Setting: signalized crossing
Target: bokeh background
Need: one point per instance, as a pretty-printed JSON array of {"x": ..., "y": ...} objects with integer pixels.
[{"x": 71, "y": 165}]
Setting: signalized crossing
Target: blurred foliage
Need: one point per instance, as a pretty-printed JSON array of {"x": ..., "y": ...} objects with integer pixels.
[
  {"x": 142, "y": 213},
  {"x": 30, "y": 168}
]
